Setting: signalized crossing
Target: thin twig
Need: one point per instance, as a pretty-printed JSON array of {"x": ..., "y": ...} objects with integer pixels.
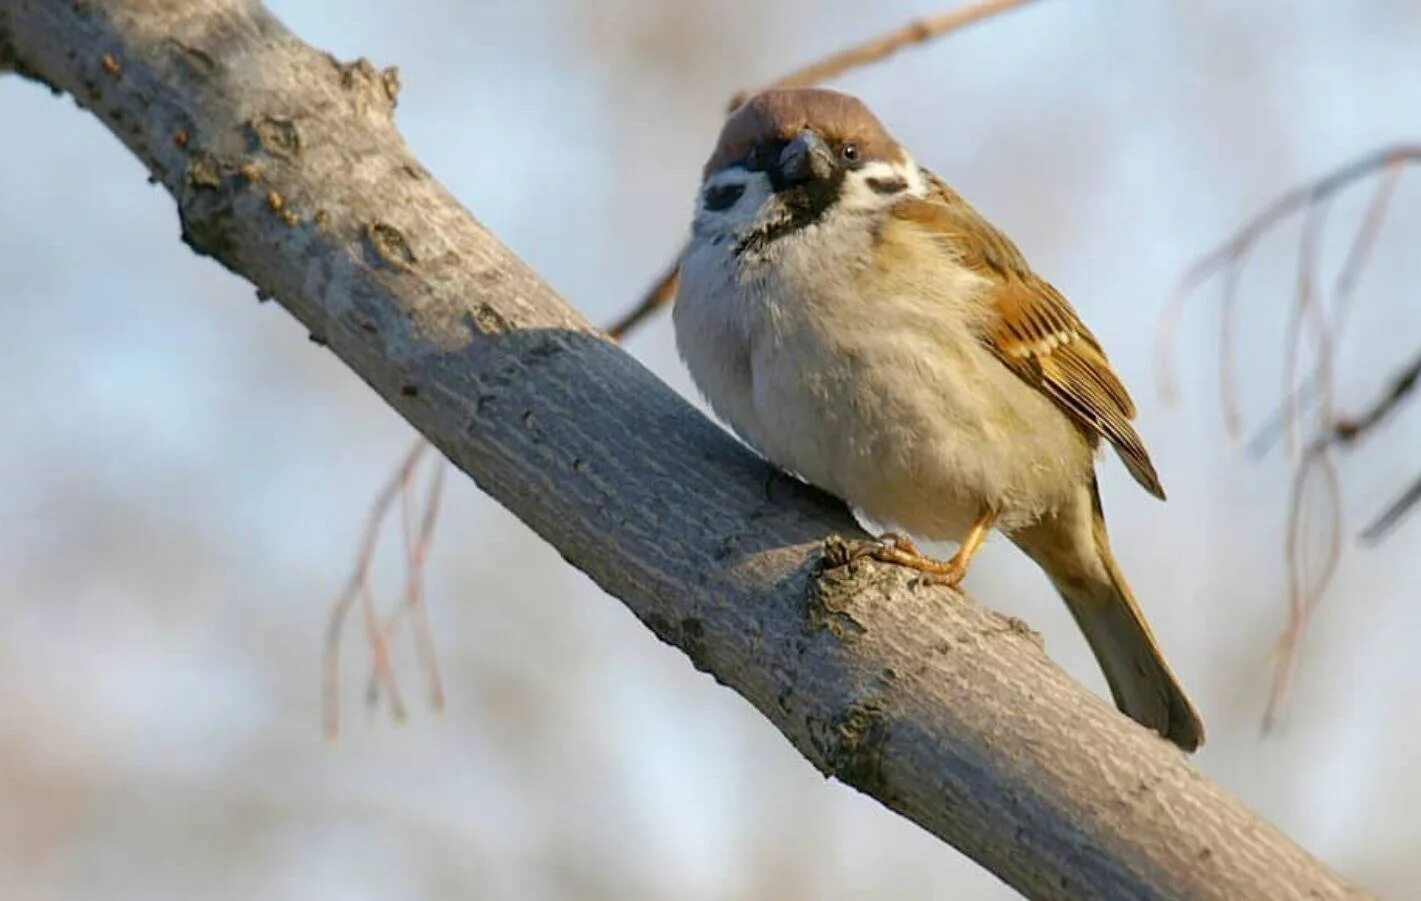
[
  {"x": 1358, "y": 254},
  {"x": 417, "y": 543},
  {"x": 1347, "y": 430},
  {"x": 1305, "y": 309},
  {"x": 418, "y": 555},
  {"x": 1228, "y": 394},
  {"x": 659, "y": 295},
  {"x": 663, "y": 290},
  {"x": 1363, "y": 242},
  {"x": 871, "y": 51},
  {"x": 1350, "y": 430},
  {"x": 358, "y": 588},
  {"x": 1303, "y": 597},
  {"x": 1303, "y": 395},
  {"x": 1393, "y": 514},
  {"x": 1304, "y": 594},
  {"x": 380, "y": 660},
  {"x": 1297, "y": 199},
  {"x": 1298, "y": 402},
  {"x": 1233, "y": 250}
]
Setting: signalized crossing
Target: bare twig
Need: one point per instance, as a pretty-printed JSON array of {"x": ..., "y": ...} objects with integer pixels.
[
  {"x": 1303, "y": 395},
  {"x": 1301, "y": 401},
  {"x": 1228, "y": 394},
  {"x": 414, "y": 599},
  {"x": 875, "y": 49},
  {"x": 1232, "y": 252},
  {"x": 417, "y": 542},
  {"x": 1348, "y": 430},
  {"x": 358, "y": 588},
  {"x": 663, "y": 290},
  {"x": 1393, "y": 514},
  {"x": 1304, "y": 593},
  {"x": 1307, "y": 310},
  {"x": 659, "y": 295},
  {"x": 1305, "y": 590},
  {"x": 1364, "y": 240}
]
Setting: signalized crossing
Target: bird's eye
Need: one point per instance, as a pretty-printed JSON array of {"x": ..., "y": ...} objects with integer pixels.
[
  {"x": 722, "y": 197},
  {"x": 850, "y": 153}
]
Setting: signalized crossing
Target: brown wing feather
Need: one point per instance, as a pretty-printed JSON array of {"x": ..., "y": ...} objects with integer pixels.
[{"x": 1035, "y": 333}]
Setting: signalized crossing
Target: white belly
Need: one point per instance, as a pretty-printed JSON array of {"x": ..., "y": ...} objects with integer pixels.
[{"x": 890, "y": 403}]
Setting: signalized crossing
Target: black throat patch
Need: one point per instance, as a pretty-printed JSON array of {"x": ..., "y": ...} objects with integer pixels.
[{"x": 804, "y": 204}]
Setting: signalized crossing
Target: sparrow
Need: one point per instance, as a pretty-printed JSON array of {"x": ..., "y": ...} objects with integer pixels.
[{"x": 861, "y": 326}]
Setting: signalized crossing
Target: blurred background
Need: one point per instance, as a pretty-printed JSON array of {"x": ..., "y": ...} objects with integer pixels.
[{"x": 185, "y": 477}]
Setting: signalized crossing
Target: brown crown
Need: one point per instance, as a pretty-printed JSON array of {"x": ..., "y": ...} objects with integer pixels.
[{"x": 779, "y": 115}]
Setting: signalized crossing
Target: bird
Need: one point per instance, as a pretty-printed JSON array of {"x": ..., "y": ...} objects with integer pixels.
[{"x": 861, "y": 326}]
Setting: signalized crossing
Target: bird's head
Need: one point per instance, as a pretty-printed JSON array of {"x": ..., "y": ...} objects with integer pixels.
[{"x": 787, "y": 158}]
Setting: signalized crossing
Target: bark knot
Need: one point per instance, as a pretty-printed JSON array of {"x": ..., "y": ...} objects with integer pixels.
[
  {"x": 277, "y": 136},
  {"x": 390, "y": 246},
  {"x": 362, "y": 76},
  {"x": 837, "y": 588},
  {"x": 204, "y": 171},
  {"x": 852, "y": 745}
]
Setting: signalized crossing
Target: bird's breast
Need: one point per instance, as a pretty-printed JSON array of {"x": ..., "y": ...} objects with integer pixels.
[{"x": 874, "y": 386}]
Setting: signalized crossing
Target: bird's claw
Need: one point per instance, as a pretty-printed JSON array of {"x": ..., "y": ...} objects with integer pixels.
[{"x": 899, "y": 550}]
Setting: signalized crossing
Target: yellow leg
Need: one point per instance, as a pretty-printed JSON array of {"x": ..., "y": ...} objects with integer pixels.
[{"x": 894, "y": 548}]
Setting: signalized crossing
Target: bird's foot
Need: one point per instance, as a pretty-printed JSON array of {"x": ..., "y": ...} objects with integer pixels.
[{"x": 891, "y": 547}]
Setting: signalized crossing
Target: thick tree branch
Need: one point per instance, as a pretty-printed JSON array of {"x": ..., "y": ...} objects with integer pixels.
[{"x": 288, "y": 170}]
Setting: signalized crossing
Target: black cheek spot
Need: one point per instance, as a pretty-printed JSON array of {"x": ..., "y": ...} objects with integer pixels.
[
  {"x": 886, "y": 185},
  {"x": 723, "y": 197}
]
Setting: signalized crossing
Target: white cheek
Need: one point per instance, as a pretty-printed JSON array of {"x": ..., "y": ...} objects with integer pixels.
[
  {"x": 917, "y": 186},
  {"x": 857, "y": 195},
  {"x": 746, "y": 210}
]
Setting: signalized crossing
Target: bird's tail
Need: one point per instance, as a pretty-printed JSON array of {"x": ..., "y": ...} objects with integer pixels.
[{"x": 1085, "y": 573}]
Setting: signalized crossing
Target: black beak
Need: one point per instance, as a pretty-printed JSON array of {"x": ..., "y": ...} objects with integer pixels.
[{"x": 806, "y": 158}]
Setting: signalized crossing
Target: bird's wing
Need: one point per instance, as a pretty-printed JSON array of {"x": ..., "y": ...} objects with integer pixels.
[{"x": 1032, "y": 329}]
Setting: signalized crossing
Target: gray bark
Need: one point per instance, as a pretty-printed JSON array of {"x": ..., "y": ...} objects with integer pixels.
[{"x": 287, "y": 169}]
